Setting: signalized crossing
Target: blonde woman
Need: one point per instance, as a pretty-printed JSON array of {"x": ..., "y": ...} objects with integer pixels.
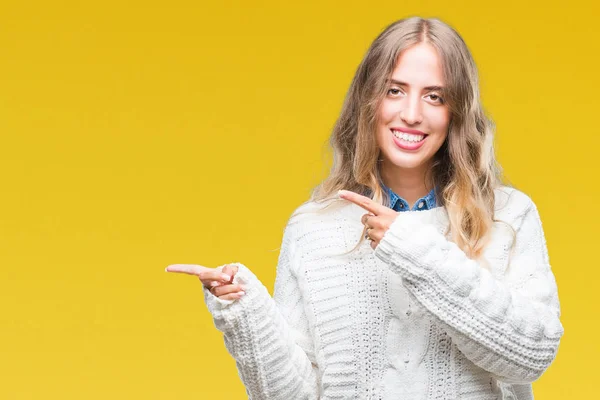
[{"x": 450, "y": 296}]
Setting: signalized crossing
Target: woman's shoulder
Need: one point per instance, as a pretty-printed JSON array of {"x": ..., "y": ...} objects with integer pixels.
[
  {"x": 326, "y": 210},
  {"x": 312, "y": 215},
  {"x": 511, "y": 203}
]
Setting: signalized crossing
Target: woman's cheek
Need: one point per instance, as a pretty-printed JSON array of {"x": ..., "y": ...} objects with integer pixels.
[
  {"x": 440, "y": 122},
  {"x": 388, "y": 110}
]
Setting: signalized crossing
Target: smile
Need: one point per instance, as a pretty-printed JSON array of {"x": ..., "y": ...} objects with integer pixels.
[{"x": 407, "y": 141}]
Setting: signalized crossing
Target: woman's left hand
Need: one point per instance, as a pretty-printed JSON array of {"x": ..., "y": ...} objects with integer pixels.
[{"x": 377, "y": 221}]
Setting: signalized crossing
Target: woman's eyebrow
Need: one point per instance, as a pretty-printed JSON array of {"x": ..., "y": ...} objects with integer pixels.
[{"x": 400, "y": 83}]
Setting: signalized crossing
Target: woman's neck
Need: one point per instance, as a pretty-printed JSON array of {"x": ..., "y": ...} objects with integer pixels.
[{"x": 410, "y": 184}]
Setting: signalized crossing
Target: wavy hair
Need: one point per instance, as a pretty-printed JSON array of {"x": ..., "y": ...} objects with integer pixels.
[{"x": 464, "y": 170}]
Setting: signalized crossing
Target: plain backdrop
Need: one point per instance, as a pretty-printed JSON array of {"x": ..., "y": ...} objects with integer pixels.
[{"x": 141, "y": 134}]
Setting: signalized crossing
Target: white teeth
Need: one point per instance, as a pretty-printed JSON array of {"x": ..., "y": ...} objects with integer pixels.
[{"x": 408, "y": 136}]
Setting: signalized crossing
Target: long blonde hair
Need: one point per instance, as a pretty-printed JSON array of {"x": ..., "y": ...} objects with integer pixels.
[{"x": 464, "y": 171}]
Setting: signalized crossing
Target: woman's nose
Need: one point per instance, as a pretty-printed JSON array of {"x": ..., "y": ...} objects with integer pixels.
[{"x": 411, "y": 114}]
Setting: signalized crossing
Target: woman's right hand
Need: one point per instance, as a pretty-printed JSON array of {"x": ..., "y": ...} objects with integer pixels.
[{"x": 218, "y": 282}]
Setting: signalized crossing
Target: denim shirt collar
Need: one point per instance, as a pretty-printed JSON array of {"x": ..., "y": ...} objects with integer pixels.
[{"x": 397, "y": 203}]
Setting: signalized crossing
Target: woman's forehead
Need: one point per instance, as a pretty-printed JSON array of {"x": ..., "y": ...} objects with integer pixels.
[{"x": 419, "y": 65}]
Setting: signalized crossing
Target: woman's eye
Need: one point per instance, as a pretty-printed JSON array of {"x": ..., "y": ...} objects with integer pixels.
[
  {"x": 436, "y": 98},
  {"x": 394, "y": 91}
]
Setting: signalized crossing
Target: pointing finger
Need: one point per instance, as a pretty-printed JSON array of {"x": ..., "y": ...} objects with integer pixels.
[
  {"x": 203, "y": 272},
  {"x": 191, "y": 269},
  {"x": 363, "y": 201}
]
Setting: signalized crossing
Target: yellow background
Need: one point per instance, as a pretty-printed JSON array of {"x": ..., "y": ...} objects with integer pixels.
[{"x": 141, "y": 134}]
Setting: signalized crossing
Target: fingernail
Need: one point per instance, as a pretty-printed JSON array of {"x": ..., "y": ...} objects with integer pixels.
[
  {"x": 241, "y": 293},
  {"x": 243, "y": 287},
  {"x": 166, "y": 269},
  {"x": 214, "y": 283},
  {"x": 225, "y": 277}
]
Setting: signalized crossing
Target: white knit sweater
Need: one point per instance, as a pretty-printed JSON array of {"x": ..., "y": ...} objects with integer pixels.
[{"x": 414, "y": 319}]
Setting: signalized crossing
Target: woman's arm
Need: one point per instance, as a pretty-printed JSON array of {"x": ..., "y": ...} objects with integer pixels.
[
  {"x": 269, "y": 337},
  {"x": 510, "y": 328}
]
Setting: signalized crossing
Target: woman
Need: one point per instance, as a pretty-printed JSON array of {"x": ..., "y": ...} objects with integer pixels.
[{"x": 450, "y": 297}]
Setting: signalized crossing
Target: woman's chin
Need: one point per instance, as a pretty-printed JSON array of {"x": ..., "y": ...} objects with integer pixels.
[{"x": 406, "y": 161}]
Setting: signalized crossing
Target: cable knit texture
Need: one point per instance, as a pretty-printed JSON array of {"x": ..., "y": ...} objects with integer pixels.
[{"x": 414, "y": 319}]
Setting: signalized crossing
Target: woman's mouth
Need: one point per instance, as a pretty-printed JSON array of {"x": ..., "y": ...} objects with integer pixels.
[{"x": 407, "y": 141}]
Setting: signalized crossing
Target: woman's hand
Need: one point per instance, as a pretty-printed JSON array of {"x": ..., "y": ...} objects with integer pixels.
[
  {"x": 377, "y": 221},
  {"x": 218, "y": 282}
]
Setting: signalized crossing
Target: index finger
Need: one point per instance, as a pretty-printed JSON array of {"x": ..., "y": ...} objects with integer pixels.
[
  {"x": 200, "y": 271},
  {"x": 363, "y": 201}
]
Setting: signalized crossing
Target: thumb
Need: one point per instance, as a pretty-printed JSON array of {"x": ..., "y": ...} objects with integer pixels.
[{"x": 230, "y": 270}]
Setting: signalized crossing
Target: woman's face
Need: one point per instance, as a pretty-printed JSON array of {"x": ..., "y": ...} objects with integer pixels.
[{"x": 413, "y": 117}]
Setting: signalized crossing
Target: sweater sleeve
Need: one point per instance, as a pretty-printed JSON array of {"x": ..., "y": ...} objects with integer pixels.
[
  {"x": 269, "y": 337},
  {"x": 509, "y": 327}
]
